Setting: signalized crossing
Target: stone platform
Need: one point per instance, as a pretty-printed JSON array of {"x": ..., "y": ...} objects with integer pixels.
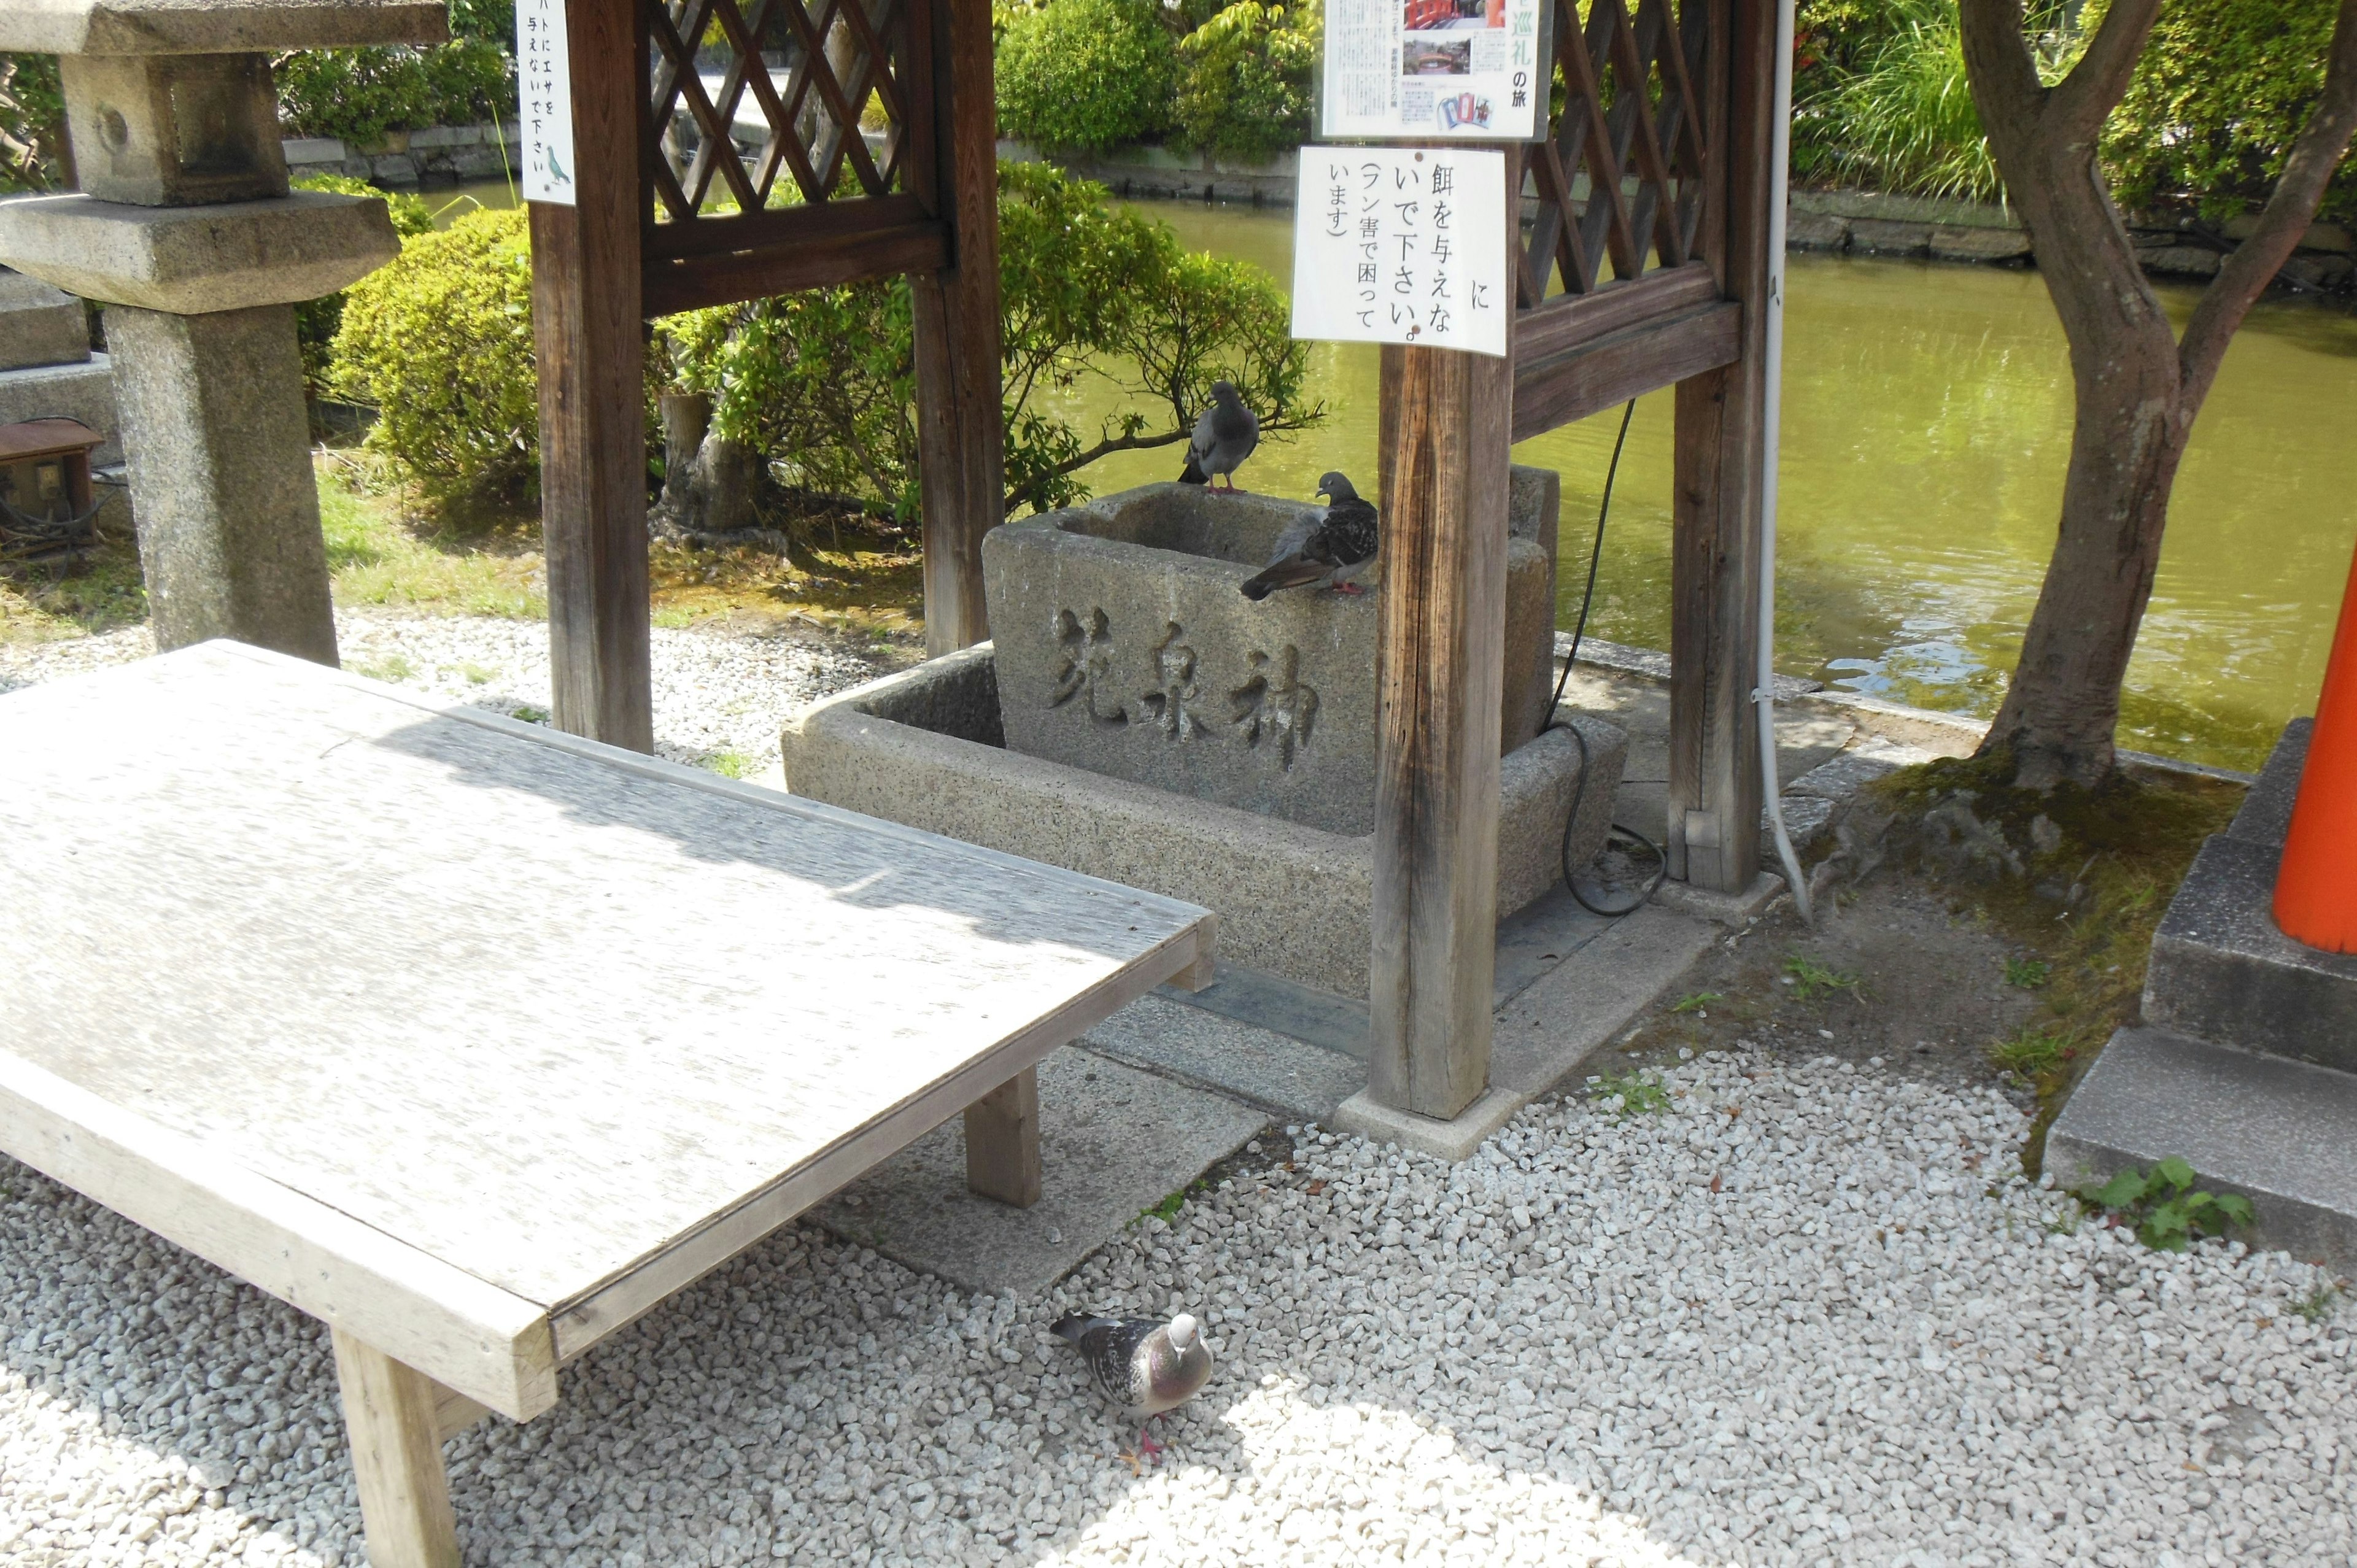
[{"x": 2247, "y": 1065}]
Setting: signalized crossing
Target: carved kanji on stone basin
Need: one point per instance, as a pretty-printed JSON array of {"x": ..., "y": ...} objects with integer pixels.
[{"x": 1125, "y": 647}]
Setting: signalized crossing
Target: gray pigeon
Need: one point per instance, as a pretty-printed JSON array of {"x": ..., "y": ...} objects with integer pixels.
[
  {"x": 1225, "y": 434},
  {"x": 1147, "y": 1365},
  {"x": 1324, "y": 549}
]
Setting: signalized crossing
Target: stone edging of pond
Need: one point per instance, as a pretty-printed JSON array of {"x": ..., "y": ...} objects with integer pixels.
[
  {"x": 1859, "y": 222},
  {"x": 439, "y": 154}
]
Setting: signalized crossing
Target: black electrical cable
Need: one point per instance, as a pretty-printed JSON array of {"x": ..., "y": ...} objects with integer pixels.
[{"x": 1578, "y": 630}]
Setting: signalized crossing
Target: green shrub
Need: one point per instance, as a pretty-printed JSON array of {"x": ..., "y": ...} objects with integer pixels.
[
  {"x": 1245, "y": 79},
  {"x": 1084, "y": 76},
  {"x": 2222, "y": 90},
  {"x": 2164, "y": 1207},
  {"x": 360, "y": 95},
  {"x": 32, "y": 122},
  {"x": 315, "y": 320},
  {"x": 439, "y": 342}
]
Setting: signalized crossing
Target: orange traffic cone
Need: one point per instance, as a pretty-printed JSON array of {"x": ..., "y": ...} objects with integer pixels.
[{"x": 2316, "y": 891}]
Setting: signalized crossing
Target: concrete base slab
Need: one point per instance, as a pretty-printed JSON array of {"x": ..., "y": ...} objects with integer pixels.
[
  {"x": 2278, "y": 1132},
  {"x": 1286, "y": 1075},
  {"x": 1548, "y": 1030},
  {"x": 1113, "y": 1142},
  {"x": 1453, "y": 1140},
  {"x": 1727, "y": 908},
  {"x": 2222, "y": 969}
]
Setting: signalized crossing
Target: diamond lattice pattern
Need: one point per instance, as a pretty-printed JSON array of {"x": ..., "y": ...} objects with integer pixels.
[
  {"x": 1621, "y": 177},
  {"x": 760, "y": 104}
]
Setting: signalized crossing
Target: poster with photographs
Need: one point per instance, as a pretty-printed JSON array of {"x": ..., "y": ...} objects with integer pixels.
[
  {"x": 1402, "y": 245},
  {"x": 1434, "y": 71}
]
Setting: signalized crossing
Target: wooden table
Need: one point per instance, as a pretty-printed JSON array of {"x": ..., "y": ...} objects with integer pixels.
[{"x": 476, "y": 1040}]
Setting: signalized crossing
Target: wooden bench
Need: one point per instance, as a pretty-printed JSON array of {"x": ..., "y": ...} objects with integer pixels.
[{"x": 477, "y": 1041}]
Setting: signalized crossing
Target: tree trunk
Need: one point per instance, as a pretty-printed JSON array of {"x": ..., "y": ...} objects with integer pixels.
[
  {"x": 709, "y": 483},
  {"x": 2136, "y": 389}
]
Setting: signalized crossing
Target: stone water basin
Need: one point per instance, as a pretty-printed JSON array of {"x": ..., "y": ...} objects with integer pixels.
[{"x": 1223, "y": 753}]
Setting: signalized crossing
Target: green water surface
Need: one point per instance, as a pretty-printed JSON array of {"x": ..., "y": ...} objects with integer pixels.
[{"x": 1927, "y": 424}]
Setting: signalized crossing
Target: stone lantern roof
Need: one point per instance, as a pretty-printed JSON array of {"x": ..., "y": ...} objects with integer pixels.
[{"x": 215, "y": 27}]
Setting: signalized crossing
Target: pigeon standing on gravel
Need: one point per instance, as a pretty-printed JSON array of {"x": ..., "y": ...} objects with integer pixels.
[
  {"x": 1225, "y": 434},
  {"x": 1328, "y": 548},
  {"x": 1148, "y": 1365}
]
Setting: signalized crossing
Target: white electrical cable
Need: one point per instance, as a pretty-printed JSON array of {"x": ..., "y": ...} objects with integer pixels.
[{"x": 1779, "y": 157}]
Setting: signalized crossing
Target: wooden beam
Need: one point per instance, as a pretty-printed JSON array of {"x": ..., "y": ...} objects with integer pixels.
[
  {"x": 1441, "y": 651},
  {"x": 1002, "y": 1141},
  {"x": 693, "y": 282},
  {"x": 391, "y": 1421},
  {"x": 1714, "y": 789},
  {"x": 1610, "y": 371},
  {"x": 961, "y": 433},
  {"x": 592, "y": 352}
]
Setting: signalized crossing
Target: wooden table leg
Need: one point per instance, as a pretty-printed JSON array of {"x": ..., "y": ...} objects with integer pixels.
[
  {"x": 391, "y": 1419},
  {"x": 1002, "y": 1141}
]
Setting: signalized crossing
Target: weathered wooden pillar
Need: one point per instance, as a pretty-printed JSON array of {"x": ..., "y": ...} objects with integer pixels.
[
  {"x": 1713, "y": 792},
  {"x": 1440, "y": 652},
  {"x": 587, "y": 328},
  {"x": 961, "y": 440}
]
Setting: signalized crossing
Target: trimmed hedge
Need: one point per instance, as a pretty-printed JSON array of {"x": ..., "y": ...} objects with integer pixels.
[{"x": 1085, "y": 76}]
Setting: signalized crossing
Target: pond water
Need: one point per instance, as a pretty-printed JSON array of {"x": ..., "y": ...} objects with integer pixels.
[{"x": 1927, "y": 424}]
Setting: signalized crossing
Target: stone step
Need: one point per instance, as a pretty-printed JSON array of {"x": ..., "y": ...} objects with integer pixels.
[
  {"x": 2222, "y": 970},
  {"x": 39, "y": 324},
  {"x": 2278, "y": 1132}
]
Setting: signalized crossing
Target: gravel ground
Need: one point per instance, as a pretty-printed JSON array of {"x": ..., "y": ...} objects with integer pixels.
[
  {"x": 1805, "y": 1313},
  {"x": 720, "y": 697}
]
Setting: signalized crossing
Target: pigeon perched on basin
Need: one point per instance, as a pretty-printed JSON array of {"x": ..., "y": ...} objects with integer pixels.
[
  {"x": 1225, "y": 434},
  {"x": 1325, "y": 548},
  {"x": 1146, "y": 1365}
]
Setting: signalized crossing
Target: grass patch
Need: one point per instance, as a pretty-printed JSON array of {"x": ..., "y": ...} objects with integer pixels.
[
  {"x": 729, "y": 764},
  {"x": 2031, "y": 1051},
  {"x": 98, "y": 591},
  {"x": 1695, "y": 1002},
  {"x": 2320, "y": 1303},
  {"x": 395, "y": 668},
  {"x": 382, "y": 555},
  {"x": 1809, "y": 979},
  {"x": 1627, "y": 1094},
  {"x": 2027, "y": 974}
]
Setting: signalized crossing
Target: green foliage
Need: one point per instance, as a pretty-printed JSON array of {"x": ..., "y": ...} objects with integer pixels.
[
  {"x": 1084, "y": 76},
  {"x": 32, "y": 122},
  {"x": 1695, "y": 1002},
  {"x": 822, "y": 383},
  {"x": 2319, "y": 1304},
  {"x": 360, "y": 95},
  {"x": 1809, "y": 979},
  {"x": 2027, "y": 974},
  {"x": 2222, "y": 90},
  {"x": 1628, "y": 1094},
  {"x": 440, "y": 343},
  {"x": 2163, "y": 1207},
  {"x": 2031, "y": 1051},
  {"x": 1245, "y": 79},
  {"x": 315, "y": 320}
]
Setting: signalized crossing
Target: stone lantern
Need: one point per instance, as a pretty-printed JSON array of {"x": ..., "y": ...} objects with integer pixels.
[{"x": 186, "y": 231}]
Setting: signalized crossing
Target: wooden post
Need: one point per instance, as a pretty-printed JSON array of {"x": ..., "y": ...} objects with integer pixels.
[
  {"x": 586, "y": 325},
  {"x": 1440, "y": 653},
  {"x": 961, "y": 438},
  {"x": 1713, "y": 792},
  {"x": 1002, "y": 1141},
  {"x": 391, "y": 1419}
]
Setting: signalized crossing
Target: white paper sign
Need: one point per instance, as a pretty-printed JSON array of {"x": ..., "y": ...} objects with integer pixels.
[
  {"x": 1430, "y": 69},
  {"x": 544, "y": 97},
  {"x": 1402, "y": 245}
]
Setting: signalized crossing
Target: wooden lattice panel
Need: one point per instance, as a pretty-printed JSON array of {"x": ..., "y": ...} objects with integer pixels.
[
  {"x": 827, "y": 63},
  {"x": 1632, "y": 125}
]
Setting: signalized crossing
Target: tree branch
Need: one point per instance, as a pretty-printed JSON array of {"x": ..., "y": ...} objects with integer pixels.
[
  {"x": 2085, "y": 98},
  {"x": 2000, "y": 71},
  {"x": 2314, "y": 154}
]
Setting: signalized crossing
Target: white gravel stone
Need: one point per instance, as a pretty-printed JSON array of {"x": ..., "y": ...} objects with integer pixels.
[
  {"x": 1803, "y": 1316},
  {"x": 717, "y": 693}
]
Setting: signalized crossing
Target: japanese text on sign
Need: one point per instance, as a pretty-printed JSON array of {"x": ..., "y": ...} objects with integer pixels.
[
  {"x": 1473, "y": 69},
  {"x": 1402, "y": 245},
  {"x": 545, "y": 102}
]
